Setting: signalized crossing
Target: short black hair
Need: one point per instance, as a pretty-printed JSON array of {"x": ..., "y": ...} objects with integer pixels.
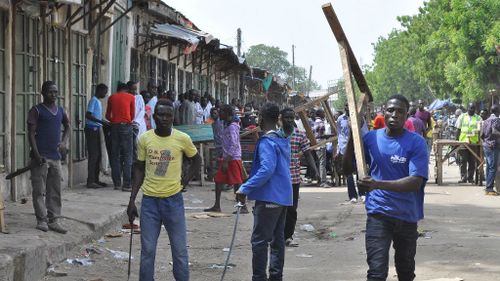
[
  {"x": 270, "y": 112},
  {"x": 101, "y": 87},
  {"x": 400, "y": 98},
  {"x": 163, "y": 102},
  {"x": 46, "y": 85},
  {"x": 287, "y": 109},
  {"x": 227, "y": 109},
  {"x": 130, "y": 84},
  {"x": 121, "y": 86}
]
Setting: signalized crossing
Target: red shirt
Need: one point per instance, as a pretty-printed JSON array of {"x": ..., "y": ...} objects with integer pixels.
[
  {"x": 409, "y": 125},
  {"x": 121, "y": 108},
  {"x": 378, "y": 122}
]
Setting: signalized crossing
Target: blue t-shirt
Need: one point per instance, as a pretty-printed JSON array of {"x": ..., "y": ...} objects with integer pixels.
[
  {"x": 392, "y": 158},
  {"x": 95, "y": 108}
]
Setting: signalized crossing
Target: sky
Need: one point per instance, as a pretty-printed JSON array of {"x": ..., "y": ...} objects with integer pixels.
[{"x": 301, "y": 23}]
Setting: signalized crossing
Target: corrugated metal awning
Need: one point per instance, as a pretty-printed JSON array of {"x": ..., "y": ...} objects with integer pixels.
[{"x": 191, "y": 36}]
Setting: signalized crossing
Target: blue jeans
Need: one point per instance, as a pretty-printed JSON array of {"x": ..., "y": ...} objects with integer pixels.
[
  {"x": 491, "y": 156},
  {"x": 268, "y": 230},
  {"x": 169, "y": 212},
  {"x": 121, "y": 154},
  {"x": 380, "y": 232}
]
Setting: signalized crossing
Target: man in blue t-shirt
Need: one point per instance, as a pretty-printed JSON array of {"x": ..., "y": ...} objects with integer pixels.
[
  {"x": 398, "y": 162},
  {"x": 93, "y": 124}
]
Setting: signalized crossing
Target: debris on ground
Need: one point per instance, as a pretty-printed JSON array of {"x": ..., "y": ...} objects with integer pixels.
[
  {"x": 207, "y": 215},
  {"x": 197, "y": 201},
  {"x": 114, "y": 234},
  {"x": 91, "y": 249},
  {"x": 119, "y": 254},
  {"x": 307, "y": 227},
  {"x": 221, "y": 266},
  {"x": 130, "y": 226},
  {"x": 51, "y": 271},
  {"x": 447, "y": 279},
  {"x": 80, "y": 261},
  {"x": 225, "y": 250},
  {"x": 304, "y": 256},
  {"x": 332, "y": 235},
  {"x": 425, "y": 234}
]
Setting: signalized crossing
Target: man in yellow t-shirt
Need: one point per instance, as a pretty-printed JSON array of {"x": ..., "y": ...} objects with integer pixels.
[{"x": 158, "y": 172}]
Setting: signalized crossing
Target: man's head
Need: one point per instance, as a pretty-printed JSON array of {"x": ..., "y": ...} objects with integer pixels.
[
  {"x": 413, "y": 111},
  {"x": 132, "y": 87},
  {"x": 346, "y": 108},
  {"x": 101, "y": 91},
  {"x": 311, "y": 113},
  {"x": 458, "y": 112},
  {"x": 195, "y": 95},
  {"x": 421, "y": 104},
  {"x": 170, "y": 95},
  {"x": 121, "y": 87},
  {"x": 214, "y": 113},
  {"x": 203, "y": 102},
  {"x": 288, "y": 118},
  {"x": 49, "y": 91},
  {"x": 484, "y": 114},
  {"x": 146, "y": 96},
  {"x": 396, "y": 111},
  {"x": 471, "y": 109},
  {"x": 164, "y": 114},
  {"x": 233, "y": 102},
  {"x": 248, "y": 109},
  {"x": 320, "y": 113},
  {"x": 269, "y": 115},
  {"x": 226, "y": 113},
  {"x": 181, "y": 97},
  {"x": 495, "y": 109},
  {"x": 152, "y": 88}
]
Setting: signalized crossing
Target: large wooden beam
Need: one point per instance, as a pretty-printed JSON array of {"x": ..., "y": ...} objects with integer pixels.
[{"x": 338, "y": 31}]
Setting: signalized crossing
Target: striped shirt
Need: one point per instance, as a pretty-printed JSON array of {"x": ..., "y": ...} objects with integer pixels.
[{"x": 299, "y": 143}]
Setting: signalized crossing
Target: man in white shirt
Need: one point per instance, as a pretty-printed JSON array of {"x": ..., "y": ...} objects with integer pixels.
[
  {"x": 206, "y": 109},
  {"x": 198, "y": 110}
]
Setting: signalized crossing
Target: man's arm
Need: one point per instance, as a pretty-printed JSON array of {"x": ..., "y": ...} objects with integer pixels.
[
  {"x": 348, "y": 156},
  {"x": 194, "y": 169},
  {"x": 63, "y": 148},
  {"x": 132, "y": 108},
  {"x": 267, "y": 158},
  {"x": 108, "y": 109},
  {"x": 32, "y": 124},
  {"x": 89, "y": 116},
  {"x": 139, "y": 170},
  {"x": 406, "y": 184}
]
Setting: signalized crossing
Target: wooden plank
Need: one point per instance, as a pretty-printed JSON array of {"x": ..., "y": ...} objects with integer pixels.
[
  {"x": 359, "y": 151},
  {"x": 323, "y": 142},
  {"x": 3, "y": 228},
  {"x": 307, "y": 127},
  {"x": 330, "y": 117},
  {"x": 361, "y": 103},
  {"x": 312, "y": 103},
  {"x": 202, "y": 169},
  {"x": 340, "y": 36}
]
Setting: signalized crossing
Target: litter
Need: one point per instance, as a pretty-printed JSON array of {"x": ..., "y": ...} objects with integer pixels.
[
  {"x": 91, "y": 249},
  {"x": 221, "y": 266},
  {"x": 349, "y": 239},
  {"x": 207, "y": 215},
  {"x": 225, "y": 250},
  {"x": 84, "y": 261},
  {"x": 129, "y": 226},
  {"x": 53, "y": 272},
  {"x": 119, "y": 254},
  {"x": 172, "y": 263},
  {"x": 193, "y": 208},
  {"x": 201, "y": 216},
  {"x": 425, "y": 233},
  {"x": 304, "y": 256},
  {"x": 114, "y": 235},
  {"x": 332, "y": 235},
  {"x": 307, "y": 227},
  {"x": 101, "y": 241},
  {"x": 196, "y": 201}
]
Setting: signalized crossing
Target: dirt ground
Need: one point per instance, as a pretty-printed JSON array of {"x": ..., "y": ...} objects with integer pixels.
[{"x": 460, "y": 240}]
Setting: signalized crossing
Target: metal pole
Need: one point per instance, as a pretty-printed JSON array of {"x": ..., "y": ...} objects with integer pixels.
[
  {"x": 293, "y": 66},
  {"x": 309, "y": 83}
]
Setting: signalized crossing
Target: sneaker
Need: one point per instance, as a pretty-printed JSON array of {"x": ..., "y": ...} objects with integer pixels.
[
  {"x": 290, "y": 243},
  {"x": 491, "y": 193},
  {"x": 363, "y": 198},
  {"x": 127, "y": 189},
  {"x": 42, "y": 225},
  {"x": 353, "y": 201},
  {"x": 57, "y": 228},
  {"x": 103, "y": 184},
  {"x": 93, "y": 185}
]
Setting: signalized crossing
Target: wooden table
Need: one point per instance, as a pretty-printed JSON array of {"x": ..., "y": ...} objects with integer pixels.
[{"x": 456, "y": 145}]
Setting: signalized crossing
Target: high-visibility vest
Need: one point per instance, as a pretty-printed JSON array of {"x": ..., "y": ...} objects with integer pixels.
[{"x": 469, "y": 128}]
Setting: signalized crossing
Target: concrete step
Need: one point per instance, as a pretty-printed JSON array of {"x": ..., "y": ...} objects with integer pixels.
[{"x": 26, "y": 253}]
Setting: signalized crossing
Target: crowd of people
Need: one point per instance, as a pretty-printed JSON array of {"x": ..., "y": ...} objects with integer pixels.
[{"x": 148, "y": 153}]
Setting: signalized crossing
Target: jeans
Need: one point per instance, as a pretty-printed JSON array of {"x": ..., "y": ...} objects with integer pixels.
[
  {"x": 93, "y": 136},
  {"x": 121, "y": 151},
  {"x": 491, "y": 156},
  {"x": 169, "y": 212},
  {"x": 291, "y": 213},
  {"x": 380, "y": 232},
  {"x": 268, "y": 230},
  {"x": 46, "y": 184}
]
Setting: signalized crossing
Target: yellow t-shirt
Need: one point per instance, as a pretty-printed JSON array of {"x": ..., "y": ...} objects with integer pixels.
[{"x": 163, "y": 157}]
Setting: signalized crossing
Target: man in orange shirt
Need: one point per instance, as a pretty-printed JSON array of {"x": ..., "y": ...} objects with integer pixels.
[
  {"x": 378, "y": 122},
  {"x": 120, "y": 112}
]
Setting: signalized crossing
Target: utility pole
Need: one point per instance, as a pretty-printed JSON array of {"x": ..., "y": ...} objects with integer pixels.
[
  {"x": 293, "y": 67},
  {"x": 240, "y": 76},
  {"x": 238, "y": 41},
  {"x": 309, "y": 83}
]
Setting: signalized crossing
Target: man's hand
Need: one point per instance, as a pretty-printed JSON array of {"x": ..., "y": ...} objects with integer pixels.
[
  {"x": 63, "y": 149},
  {"x": 132, "y": 212},
  {"x": 39, "y": 159},
  {"x": 106, "y": 123},
  {"x": 367, "y": 184},
  {"x": 225, "y": 165},
  {"x": 241, "y": 197}
]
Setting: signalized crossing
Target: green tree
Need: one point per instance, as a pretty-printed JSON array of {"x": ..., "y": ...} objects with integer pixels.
[
  {"x": 301, "y": 80},
  {"x": 268, "y": 57}
]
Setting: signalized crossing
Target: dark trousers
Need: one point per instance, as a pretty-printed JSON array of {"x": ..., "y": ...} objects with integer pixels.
[
  {"x": 268, "y": 231},
  {"x": 467, "y": 164},
  {"x": 107, "y": 139},
  {"x": 93, "y": 136},
  {"x": 291, "y": 213},
  {"x": 380, "y": 232},
  {"x": 351, "y": 188},
  {"x": 121, "y": 151}
]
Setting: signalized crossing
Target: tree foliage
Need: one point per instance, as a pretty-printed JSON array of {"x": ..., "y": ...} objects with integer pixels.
[
  {"x": 447, "y": 50},
  {"x": 276, "y": 62}
]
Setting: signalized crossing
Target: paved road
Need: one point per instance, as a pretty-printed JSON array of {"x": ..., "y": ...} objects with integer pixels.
[{"x": 461, "y": 225}]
